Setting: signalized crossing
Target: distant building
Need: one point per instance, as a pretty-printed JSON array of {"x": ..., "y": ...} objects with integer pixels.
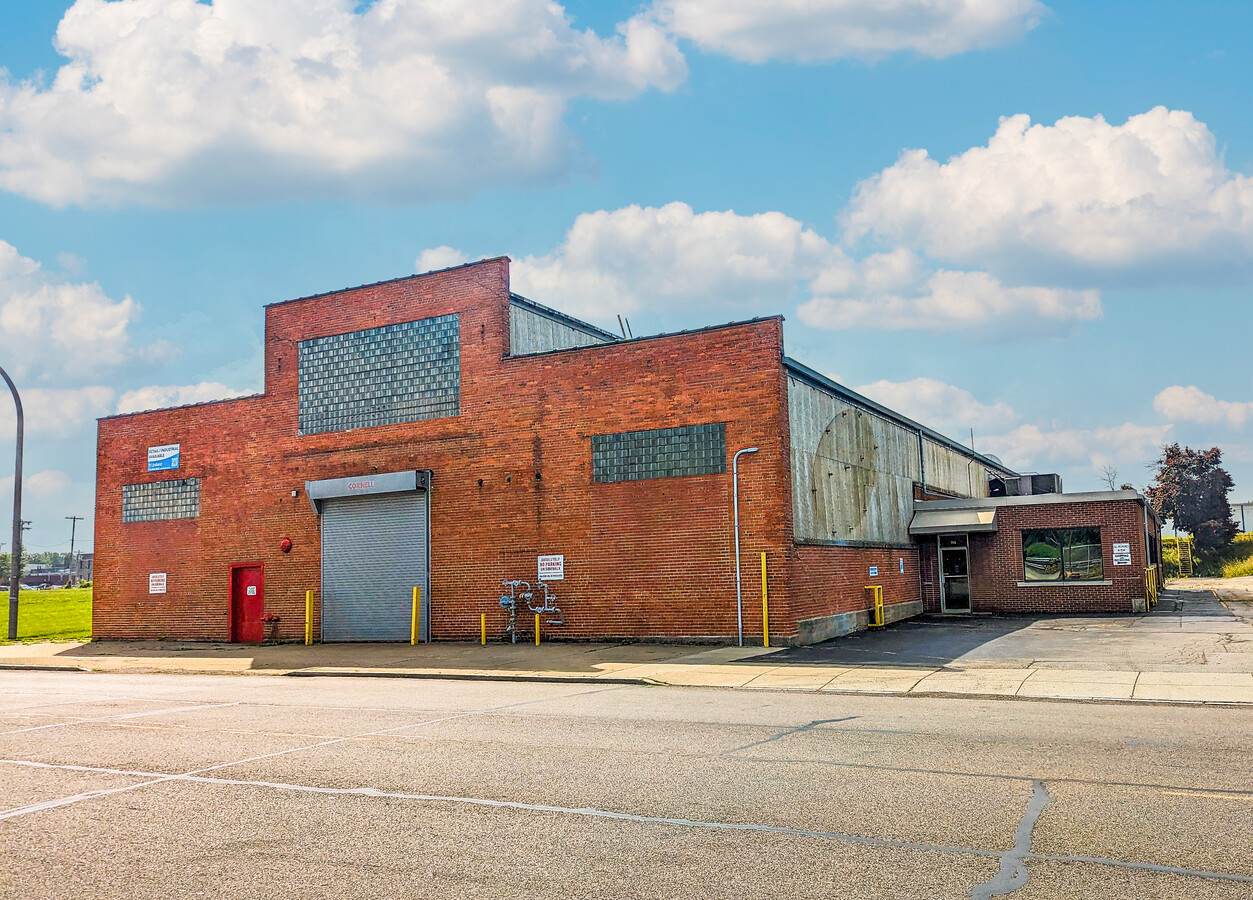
[{"x": 83, "y": 567}]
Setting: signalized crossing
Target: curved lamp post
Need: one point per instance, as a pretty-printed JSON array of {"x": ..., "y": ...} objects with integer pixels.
[
  {"x": 735, "y": 482},
  {"x": 15, "y": 559}
]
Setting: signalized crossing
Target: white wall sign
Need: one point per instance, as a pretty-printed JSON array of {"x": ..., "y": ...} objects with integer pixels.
[
  {"x": 874, "y": 570},
  {"x": 1122, "y": 554},
  {"x": 156, "y": 583},
  {"x": 902, "y": 565},
  {"x": 162, "y": 458},
  {"x": 552, "y": 568}
]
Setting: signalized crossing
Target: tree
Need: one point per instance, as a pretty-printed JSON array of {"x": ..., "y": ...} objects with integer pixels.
[
  {"x": 1109, "y": 476},
  {"x": 1191, "y": 487}
]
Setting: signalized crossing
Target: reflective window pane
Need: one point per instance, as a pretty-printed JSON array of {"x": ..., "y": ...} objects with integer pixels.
[
  {"x": 1041, "y": 555},
  {"x": 1062, "y": 554}
]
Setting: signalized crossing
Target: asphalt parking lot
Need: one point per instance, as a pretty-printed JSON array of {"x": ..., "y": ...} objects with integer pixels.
[
  {"x": 137, "y": 786},
  {"x": 1189, "y": 630}
]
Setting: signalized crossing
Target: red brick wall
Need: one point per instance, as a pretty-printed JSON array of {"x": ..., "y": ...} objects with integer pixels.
[
  {"x": 996, "y": 564},
  {"x": 826, "y": 580},
  {"x": 643, "y": 559}
]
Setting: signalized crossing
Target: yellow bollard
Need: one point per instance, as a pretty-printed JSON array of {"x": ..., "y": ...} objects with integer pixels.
[
  {"x": 483, "y": 629},
  {"x": 537, "y": 629},
  {"x": 416, "y": 625},
  {"x": 308, "y": 618},
  {"x": 765, "y": 605}
]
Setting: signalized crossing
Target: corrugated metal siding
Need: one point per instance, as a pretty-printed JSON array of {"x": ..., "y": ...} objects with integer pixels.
[
  {"x": 374, "y": 552},
  {"x": 530, "y": 332},
  {"x": 853, "y": 472},
  {"x": 952, "y": 472}
]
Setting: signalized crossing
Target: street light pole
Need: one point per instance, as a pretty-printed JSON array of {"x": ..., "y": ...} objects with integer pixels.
[
  {"x": 735, "y": 490},
  {"x": 15, "y": 559}
]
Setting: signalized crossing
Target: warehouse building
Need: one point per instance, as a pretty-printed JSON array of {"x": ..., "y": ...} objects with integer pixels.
[{"x": 439, "y": 432}]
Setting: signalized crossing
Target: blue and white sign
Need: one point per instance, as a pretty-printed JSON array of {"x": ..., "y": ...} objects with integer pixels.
[
  {"x": 161, "y": 459},
  {"x": 874, "y": 570}
]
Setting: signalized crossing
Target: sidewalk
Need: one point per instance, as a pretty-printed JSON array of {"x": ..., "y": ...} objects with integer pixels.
[{"x": 748, "y": 668}]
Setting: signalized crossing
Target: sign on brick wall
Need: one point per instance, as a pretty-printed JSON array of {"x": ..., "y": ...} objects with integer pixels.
[
  {"x": 163, "y": 458},
  {"x": 1122, "y": 554},
  {"x": 156, "y": 583},
  {"x": 552, "y": 568}
]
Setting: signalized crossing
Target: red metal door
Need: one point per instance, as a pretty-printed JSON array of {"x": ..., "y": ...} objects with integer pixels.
[{"x": 247, "y": 604}]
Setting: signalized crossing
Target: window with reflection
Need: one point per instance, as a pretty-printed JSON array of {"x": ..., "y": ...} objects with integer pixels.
[{"x": 1062, "y": 554}]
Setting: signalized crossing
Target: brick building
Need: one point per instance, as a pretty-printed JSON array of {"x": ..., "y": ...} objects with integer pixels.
[{"x": 441, "y": 432}]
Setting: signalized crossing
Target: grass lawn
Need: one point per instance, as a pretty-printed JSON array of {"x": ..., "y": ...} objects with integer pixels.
[{"x": 62, "y": 614}]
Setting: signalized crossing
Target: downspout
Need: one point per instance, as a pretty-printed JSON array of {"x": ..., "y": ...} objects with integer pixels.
[{"x": 735, "y": 489}]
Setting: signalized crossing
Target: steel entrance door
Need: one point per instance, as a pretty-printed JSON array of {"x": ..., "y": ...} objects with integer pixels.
[
  {"x": 374, "y": 552},
  {"x": 247, "y": 604},
  {"x": 954, "y": 573}
]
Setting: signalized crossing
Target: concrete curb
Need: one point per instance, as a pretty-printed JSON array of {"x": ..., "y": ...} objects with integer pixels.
[{"x": 473, "y": 676}]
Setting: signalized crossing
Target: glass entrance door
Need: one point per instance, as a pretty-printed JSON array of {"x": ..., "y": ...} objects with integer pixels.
[{"x": 954, "y": 574}]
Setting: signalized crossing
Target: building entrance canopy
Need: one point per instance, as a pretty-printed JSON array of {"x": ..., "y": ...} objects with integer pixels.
[{"x": 952, "y": 521}]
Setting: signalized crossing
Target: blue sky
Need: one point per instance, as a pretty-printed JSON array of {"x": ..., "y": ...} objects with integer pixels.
[{"x": 1066, "y": 270}]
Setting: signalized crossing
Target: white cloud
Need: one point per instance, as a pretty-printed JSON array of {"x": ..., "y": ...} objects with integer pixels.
[
  {"x": 443, "y": 257},
  {"x": 47, "y": 483},
  {"x": 669, "y": 257},
  {"x": 672, "y": 259},
  {"x": 1031, "y": 447},
  {"x": 175, "y": 101},
  {"x": 55, "y": 412},
  {"x": 944, "y": 407},
  {"x": 66, "y": 328},
  {"x": 949, "y": 301},
  {"x": 1191, "y": 404},
  {"x": 818, "y": 30},
  {"x": 1152, "y": 191},
  {"x": 161, "y": 396}
]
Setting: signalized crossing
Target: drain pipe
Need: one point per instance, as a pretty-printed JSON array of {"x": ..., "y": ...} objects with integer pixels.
[{"x": 735, "y": 490}]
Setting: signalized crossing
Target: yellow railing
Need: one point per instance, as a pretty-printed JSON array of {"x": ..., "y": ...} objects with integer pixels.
[
  {"x": 874, "y": 597},
  {"x": 1152, "y": 584}
]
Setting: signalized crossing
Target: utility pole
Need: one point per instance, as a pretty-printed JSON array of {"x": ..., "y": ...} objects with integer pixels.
[
  {"x": 15, "y": 564},
  {"x": 74, "y": 520}
]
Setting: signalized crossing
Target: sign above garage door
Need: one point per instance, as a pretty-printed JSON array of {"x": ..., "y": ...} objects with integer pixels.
[{"x": 361, "y": 485}]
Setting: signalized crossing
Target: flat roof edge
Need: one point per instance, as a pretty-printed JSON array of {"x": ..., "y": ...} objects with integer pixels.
[
  {"x": 160, "y": 409},
  {"x": 1031, "y": 500},
  {"x": 624, "y": 342},
  {"x": 357, "y": 287}
]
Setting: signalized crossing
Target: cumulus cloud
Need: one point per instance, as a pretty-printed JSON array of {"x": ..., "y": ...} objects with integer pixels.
[
  {"x": 55, "y": 412},
  {"x": 948, "y": 409},
  {"x": 46, "y": 483},
  {"x": 1032, "y": 447},
  {"x": 1152, "y": 191},
  {"x": 439, "y": 258},
  {"x": 1191, "y": 404},
  {"x": 670, "y": 257},
  {"x": 162, "y": 396},
  {"x": 673, "y": 259},
  {"x": 948, "y": 301},
  {"x": 819, "y": 30},
  {"x": 57, "y": 319},
  {"x": 175, "y": 101}
]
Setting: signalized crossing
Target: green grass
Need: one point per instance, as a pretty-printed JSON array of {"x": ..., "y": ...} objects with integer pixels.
[
  {"x": 61, "y": 614},
  {"x": 1232, "y": 561}
]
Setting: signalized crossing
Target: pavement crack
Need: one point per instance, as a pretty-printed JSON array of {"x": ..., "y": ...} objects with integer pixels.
[
  {"x": 790, "y": 731},
  {"x": 1013, "y": 872}
]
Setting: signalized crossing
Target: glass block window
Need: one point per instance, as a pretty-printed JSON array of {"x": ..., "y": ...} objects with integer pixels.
[
  {"x": 178, "y": 499},
  {"x": 660, "y": 453},
  {"x": 381, "y": 376}
]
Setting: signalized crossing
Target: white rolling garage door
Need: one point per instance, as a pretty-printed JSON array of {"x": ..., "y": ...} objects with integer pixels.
[{"x": 374, "y": 552}]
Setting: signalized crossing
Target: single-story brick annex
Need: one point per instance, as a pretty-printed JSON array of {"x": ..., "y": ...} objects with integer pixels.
[{"x": 440, "y": 432}]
